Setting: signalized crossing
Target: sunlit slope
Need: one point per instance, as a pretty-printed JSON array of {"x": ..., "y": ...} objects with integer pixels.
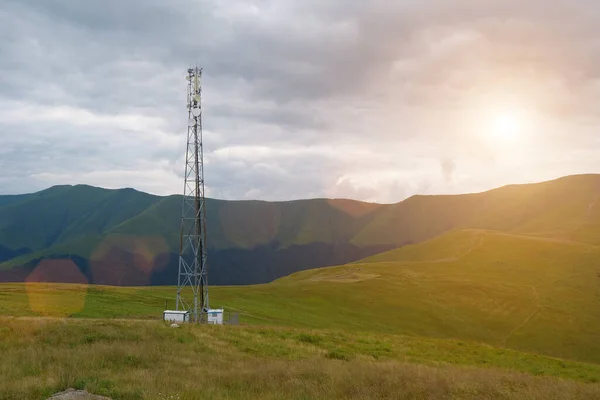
[
  {"x": 418, "y": 218},
  {"x": 528, "y": 293},
  {"x": 565, "y": 208}
]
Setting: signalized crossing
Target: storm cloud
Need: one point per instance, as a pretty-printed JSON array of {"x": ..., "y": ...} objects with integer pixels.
[{"x": 373, "y": 100}]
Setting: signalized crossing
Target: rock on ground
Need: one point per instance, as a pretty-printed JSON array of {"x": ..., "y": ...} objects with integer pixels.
[{"x": 72, "y": 394}]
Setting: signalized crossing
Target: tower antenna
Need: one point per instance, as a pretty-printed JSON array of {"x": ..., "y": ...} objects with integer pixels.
[{"x": 192, "y": 284}]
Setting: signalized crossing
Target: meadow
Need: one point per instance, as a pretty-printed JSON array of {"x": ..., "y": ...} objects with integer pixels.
[
  {"x": 150, "y": 360},
  {"x": 470, "y": 314},
  {"x": 519, "y": 292}
]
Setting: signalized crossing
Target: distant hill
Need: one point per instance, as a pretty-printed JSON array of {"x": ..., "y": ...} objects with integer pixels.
[
  {"x": 125, "y": 237},
  {"x": 566, "y": 208}
]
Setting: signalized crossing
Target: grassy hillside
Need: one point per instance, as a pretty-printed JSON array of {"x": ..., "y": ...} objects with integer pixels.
[
  {"x": 566, "y": 208},
  {"x": 149, "y": 360},
  {"x": 124, "y": 237},
  {"x": 507, "y": 280},
  {"x": 131, "y": 238},
  {"x": 9, "y": 199},
  {"x": 63, "y": 213},
  {"x": 526, "y": 293},
  {"x": 250, "y": 224},
  {"x": 419, "y": 218}
]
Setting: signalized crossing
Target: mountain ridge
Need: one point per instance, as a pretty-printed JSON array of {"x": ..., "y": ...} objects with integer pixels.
[{"x": 256, "y": 241}]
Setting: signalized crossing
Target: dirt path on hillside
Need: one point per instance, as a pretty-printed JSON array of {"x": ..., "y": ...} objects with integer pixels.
[
  {"x": 547, "y": 239},
  {"x": 538, "y": 304},
  {"x": 531, "y": 236},
  {"x": 538, "y": 307},
  {"x": 478, "y": 240}
]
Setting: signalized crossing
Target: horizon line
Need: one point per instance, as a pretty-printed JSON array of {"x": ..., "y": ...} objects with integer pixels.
[{"x": 311, "y": 198}]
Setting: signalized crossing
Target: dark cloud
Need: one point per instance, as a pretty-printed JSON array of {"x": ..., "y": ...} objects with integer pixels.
[{"x": 301, "y": 99}]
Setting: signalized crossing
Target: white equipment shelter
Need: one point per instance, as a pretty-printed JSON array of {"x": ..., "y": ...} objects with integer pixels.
[
  {"x": 215, "y": 316},
  {"x": 176, "y": 316}
]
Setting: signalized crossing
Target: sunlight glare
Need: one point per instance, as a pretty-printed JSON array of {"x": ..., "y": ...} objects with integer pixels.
[{"x": 506, "y": 126}]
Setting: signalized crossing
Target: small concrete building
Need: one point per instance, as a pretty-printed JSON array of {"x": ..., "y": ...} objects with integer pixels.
[
  {"x": 215, "y": 316},
  {"x": 176, "y": 316}
]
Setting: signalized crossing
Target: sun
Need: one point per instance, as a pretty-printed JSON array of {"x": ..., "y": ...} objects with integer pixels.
[
  {"x": 502, "y": 120},
  {"x": 506, "y": 126}
]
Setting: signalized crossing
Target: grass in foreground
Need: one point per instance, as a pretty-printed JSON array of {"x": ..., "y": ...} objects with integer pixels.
[{"x": 149, "y": 360}]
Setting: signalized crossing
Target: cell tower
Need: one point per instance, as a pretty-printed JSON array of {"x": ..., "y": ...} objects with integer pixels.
[{"x": 192, "y": 285}]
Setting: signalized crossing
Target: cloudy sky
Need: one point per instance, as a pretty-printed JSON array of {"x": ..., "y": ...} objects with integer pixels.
[{"x": 373, "y": 100}]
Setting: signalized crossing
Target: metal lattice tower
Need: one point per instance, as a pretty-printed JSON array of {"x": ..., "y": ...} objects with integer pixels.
[{"x": 192, "y": 285}]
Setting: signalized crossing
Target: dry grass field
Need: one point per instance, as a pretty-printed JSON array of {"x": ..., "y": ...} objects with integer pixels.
[{"x": 150, "y": 360}]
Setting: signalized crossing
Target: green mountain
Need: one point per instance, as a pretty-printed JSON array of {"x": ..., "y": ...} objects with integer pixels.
[
  {"x": 63, "y": 213},
  {"x": 125, "y": 237}
]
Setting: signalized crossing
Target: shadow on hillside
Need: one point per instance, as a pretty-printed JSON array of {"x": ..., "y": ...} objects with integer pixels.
[{"x": 153, "y": 265}]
